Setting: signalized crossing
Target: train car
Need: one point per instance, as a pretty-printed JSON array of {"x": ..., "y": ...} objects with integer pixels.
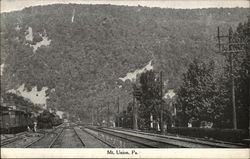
[
  {"x": 56, "y": 120},
  {"x": 13, "y": 121},
  {"x": 47, "y": 120},
  {"x": 44, "y": 120}
]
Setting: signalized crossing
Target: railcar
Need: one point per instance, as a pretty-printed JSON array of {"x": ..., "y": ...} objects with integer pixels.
[
  {"x": 56, "y": 120},
  {"x": 13, "y": 121},
  {"x": 47, "y": 120}
]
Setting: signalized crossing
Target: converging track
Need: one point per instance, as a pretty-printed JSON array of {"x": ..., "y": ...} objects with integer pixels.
[
  {"x": 71, "y": 135},
  {"x": 161, "y": 141},
  {"x": 22, "y": 140},
  {"x": 218, "y": 144},
  {"x": 214, "y": 143},
  {"x": 13, "y": 139},
  {"x": 96, "y": 137},
  {"x": 47, "y": 140},
  {"x": 67, "y": 138},
  {"x": 40, "y": 139}
]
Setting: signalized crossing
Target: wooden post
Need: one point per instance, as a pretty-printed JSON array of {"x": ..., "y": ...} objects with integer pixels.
[
  {"x": 232, "y": 78},
  {"x": 108, "y": 117},
  {"x": 135, "y": 126},
  {"x": 161, "y": 106},
  {"x": 118, "y": 111}
]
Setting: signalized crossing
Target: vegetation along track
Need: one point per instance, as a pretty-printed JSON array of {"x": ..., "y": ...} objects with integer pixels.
[{"x": 218, "y": 144}]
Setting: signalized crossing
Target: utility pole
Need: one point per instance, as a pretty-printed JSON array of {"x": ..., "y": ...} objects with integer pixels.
[
  {"x": 92, "y": 115},
  {"x": 228, "y": 48},
  {"x": 248, "y": 56},
  {"x": 135, "y": 125},
  {"x": 108, "y": 117},
  {"x": 230, "y": 32},
  {"x": 136, "y": 96},
  {"x": 102, "y": 115},
  {"x": 118, "y": 111},
  {"x": 161, "y": 106}
]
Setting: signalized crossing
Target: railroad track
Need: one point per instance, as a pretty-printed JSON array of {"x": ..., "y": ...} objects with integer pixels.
[
  {"x": 13, "y": 139},
  {"x": 55, "y": 139},
  {"x": 28, "y": 145},
  {"x": 50, "y": 144},
  {"x": 79, "y": 137},
  {"x": 160, "y": 141},
  {"x": 218, "y": 144},
  {"x": 8, "y": 141},
  {"x": 99, "y": 139},
  {"x": 144, "y": 142},
  {"x": 49, "y": 139}
]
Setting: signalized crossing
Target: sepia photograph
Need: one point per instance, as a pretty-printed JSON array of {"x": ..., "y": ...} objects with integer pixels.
[{"x": 130, "y": 78}]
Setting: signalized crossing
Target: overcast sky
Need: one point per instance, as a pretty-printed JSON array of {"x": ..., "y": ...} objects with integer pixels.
[{"x": 12, "y": 5}]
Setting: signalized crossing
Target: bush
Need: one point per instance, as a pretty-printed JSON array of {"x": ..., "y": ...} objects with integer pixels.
[{"x": 230, "y": 135}]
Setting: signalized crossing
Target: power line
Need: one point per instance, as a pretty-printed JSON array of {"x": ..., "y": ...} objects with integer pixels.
[{"x": 227, "y": 47}]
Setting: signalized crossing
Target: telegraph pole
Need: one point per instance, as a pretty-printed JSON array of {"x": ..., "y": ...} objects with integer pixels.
[
  {"x": 118, "y": 111},
  {"x": 136, "y": 95},
  {"x": 92, "y": 115},
  {"x": 161, "y": 102},
  {"x": 230, "y": 32},
  {"x": 248, "y": 56},
  {"x": 228, "y": 48},
  {"x": 108, "y": 117},
  {"x": 230, "y": 51},
  {"x": 135, "y": 125}
]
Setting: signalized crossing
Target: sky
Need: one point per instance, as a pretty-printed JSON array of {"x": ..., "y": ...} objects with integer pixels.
[{"x": 14, "y": 5}]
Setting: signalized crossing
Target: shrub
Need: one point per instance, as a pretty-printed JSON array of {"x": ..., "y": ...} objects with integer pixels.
[{"x": 230, "y": 135}]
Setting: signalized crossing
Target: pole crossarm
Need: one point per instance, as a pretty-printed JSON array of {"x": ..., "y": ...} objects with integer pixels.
[{"x": 231, "y": 47}]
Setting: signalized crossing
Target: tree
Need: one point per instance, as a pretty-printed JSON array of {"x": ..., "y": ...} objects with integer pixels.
[
  {"x": 240, "y": 71},
  {"x": 11, "y": 99},
  {"x": 198, "y": 96},
  {"x": 150, "y": 99},
  {"x": 102, "y": 44}
]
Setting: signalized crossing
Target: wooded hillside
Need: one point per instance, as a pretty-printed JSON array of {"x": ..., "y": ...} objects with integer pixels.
[{"x": 81, "y": 51}]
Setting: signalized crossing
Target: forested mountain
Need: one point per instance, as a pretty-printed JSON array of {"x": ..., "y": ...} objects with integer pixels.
[{"x": 81, "y": 51}]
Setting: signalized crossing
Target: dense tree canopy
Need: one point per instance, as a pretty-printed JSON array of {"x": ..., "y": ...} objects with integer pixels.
[
  {"x": 198, "y": 96},
  {"x": 11, "y": 99},
  {"x": 206, "y": 95},
  {"x": 241, "y": 65},
  {"x": 84, "y": 58}
]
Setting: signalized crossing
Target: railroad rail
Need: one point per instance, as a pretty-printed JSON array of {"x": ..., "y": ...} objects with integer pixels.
[
  {"x": 26, "y": 146},
  {"x": 79, "y": 137},
  {"x": 161, "y": 141},
  {"x": 55, "y": 139},
  {"x": 51, "y": 145},
  {"x": 43, "y": 136},
  {"x": 12, "y": 139},
  {"x": 145, "y": 142},
  {"x": 214, "y": 143},
  {"x": 21, "y": 135},
  {"x": 98, "y": 138}
]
